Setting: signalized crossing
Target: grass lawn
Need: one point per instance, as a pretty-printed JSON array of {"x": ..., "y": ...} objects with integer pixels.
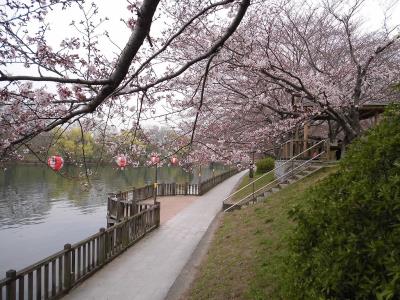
[
  {"x": 257, "y": 184},
  {"x": 240, "y": 261}
]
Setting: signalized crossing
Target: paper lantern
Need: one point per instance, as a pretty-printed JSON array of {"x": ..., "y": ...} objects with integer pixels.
[
  {"x": 55, "y": 162},
  {"x": 174, "y": 160},
  {"x": 154, "y": 159},
  {"x": 121, "y": 161}
]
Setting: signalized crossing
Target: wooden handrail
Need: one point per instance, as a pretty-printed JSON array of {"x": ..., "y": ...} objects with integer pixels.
[{"x": 191, "y": 189}]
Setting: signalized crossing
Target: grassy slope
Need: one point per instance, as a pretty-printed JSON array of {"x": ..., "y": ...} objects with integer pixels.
[{"x": 240, "y": 261}]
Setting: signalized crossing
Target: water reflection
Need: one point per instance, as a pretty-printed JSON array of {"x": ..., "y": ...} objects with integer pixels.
[{"x": 40, "y": 211}]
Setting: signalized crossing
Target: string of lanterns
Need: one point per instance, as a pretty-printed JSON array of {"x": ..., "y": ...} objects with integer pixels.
[{"x": 56, "y": 162}]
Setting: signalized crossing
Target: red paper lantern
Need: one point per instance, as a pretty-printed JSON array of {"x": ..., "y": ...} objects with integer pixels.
[
  {"x": 154, "y": 159},
  {"x": 55, "y": 162},
  {"x": 174, "y": 160},
  {"x": 121, "y": 161}
]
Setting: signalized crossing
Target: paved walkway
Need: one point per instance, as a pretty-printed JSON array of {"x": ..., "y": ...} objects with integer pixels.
[{"x": 147, "y": 270}]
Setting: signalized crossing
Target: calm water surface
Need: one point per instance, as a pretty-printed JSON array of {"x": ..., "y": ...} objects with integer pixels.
[{"x": 40, "y": 211}]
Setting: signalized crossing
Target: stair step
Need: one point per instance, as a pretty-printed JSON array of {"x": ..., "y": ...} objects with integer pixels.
[
  {"x": 283, "y": 185},
  {"x": 274, "y": 190}
]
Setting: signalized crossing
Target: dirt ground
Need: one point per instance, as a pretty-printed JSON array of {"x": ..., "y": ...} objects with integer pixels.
[{"x": 170, "y": 206}]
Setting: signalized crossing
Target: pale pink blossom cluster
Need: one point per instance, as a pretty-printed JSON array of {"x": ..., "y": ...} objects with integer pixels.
[
  {"x": 300, "y": 64},
  {"x": 236, "y": 78}
]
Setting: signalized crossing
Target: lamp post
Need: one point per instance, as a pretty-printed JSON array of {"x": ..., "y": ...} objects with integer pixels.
[
  {"x": 155, "y": 160},
  {"x": 200, "y": 174},
  {"x": 251, "y": 171},
  {"x": 174, "y": 161}
]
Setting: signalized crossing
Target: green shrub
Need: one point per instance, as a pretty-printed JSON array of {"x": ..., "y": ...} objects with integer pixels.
[
  {"x": 346, "y": 244},
  {"x": 264, "y": 165}
]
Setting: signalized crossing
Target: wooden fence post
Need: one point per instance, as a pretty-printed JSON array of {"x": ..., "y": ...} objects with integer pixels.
[
  {"x": 11, "y": 285},
  {"x": 328, "y": 149},
  {"x": 118, "y": 206},
  {"x": 67, "y": 267},
  {"x": 291, "y": 149},
  {"x": 157, "y": 211},
  {"x": 133, "y": 195},
  {"x": 124, "y": 228},
  {"x": 162, "y": 189},
  {"x": 102, "y": 247}
]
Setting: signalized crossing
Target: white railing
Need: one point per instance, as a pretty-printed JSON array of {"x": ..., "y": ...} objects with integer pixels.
[
  {"x": 280, "y": 166},
  {"x": 274, "y": 181}
]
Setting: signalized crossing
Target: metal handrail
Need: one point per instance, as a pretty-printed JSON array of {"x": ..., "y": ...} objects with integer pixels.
[
  {"x": 294, "y": 141},
  {"x": 274, "y": 181},
  {"x": 290, "y": 160}
]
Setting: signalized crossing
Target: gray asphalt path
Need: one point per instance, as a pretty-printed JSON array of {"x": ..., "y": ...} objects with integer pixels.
[{"x": 147, "y": 270}]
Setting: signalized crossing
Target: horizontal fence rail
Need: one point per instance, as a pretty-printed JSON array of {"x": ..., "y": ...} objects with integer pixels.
[
  {"x": 208, "y": 184},
  {"x": 173, "y": 189},
  {"x": 127, "y": 203},
  {"x": 55, "y": 275}
]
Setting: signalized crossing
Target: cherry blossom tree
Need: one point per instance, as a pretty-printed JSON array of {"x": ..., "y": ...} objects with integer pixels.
[
  {"x": 237, "y": 89},
  {"x": 289, "y": 63},
  {"x": 46, "y": 87}
]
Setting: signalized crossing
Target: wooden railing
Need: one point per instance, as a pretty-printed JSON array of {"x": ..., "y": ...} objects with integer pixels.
[
  {"x": 136, "y": 194},
  {"x": 175, "y": 189},
  {"x": 163, "y": 189},
  {"x": 128, "y": 203},
  {"x": 207, "y": 185},
  {"x": 55, "y": 275},
  {"x": 118, "y": 209}
]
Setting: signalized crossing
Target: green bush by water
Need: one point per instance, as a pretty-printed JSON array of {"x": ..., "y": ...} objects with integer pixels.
[
  {"x": 264, "y": 165},
  {"x": 346, "y": 244}
]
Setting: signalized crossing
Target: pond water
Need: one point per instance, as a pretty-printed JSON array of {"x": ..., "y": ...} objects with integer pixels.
[{"x": 40, "y": 210}]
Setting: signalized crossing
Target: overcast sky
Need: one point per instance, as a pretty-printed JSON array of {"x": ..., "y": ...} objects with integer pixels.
[{"x": 372, "y": 15}]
